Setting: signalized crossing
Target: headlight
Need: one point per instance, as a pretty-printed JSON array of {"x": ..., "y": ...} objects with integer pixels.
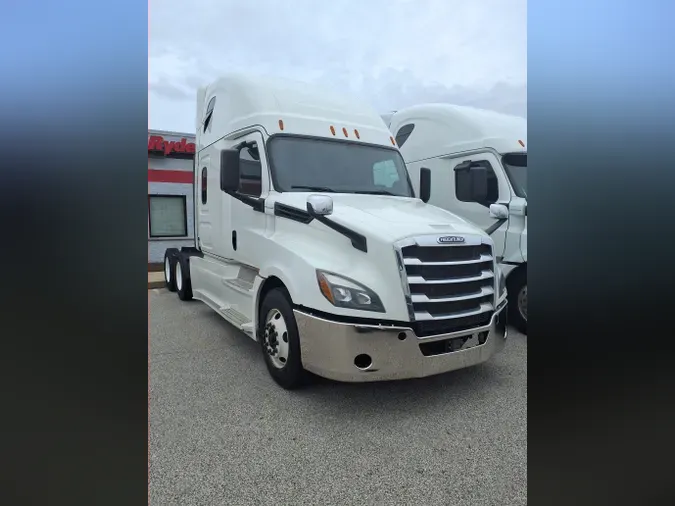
[
  {"x": 501, "y": 286},
  {"x": 345, "y": 292}
]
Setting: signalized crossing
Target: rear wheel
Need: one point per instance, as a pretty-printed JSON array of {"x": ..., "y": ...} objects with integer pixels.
[
  {"x": 280, "y": 341},
  {"x": 183, "y": 282},
  {"x": 170, "y": 270},
  {"x": 517, "y": 287}
]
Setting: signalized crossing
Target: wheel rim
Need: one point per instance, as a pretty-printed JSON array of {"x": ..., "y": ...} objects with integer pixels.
[
  {"x": 522, "y": 302},
  {"x": 179, "y": 276},
  {"x": 275, "y": 338},
  {"x": 167, "y": 270}
]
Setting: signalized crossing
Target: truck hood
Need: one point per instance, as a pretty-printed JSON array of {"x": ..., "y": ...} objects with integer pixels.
[{"x": 389, "y": 218}]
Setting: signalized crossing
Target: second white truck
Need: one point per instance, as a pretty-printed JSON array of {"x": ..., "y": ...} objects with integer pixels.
[
  {"x": 311, "y": 240},
  {"x": 478, "y": 162}
]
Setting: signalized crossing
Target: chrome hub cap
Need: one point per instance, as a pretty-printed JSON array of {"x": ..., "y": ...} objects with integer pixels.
[
  {"x": 275, "y": 338},
  {"x": 167, "y": 270},
  {"x": 522, "y": 302}
]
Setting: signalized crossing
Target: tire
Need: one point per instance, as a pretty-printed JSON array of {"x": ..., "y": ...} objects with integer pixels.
[
  {"x": 276, "y": 316},
  {"x": 516, "y": 285},
  {"x": 183, "y": 282},
  {"x": 170, "y": 270}
]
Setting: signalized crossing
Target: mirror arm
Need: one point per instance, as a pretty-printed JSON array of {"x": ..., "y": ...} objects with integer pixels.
[{"x": 464, "y": 165}]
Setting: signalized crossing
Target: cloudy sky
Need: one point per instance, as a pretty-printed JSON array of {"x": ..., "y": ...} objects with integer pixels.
[{"x": 393, "y": 53}]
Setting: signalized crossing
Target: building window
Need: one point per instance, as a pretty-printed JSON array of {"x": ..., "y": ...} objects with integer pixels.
[
  {"x": 403, "y": 134},
  {"x": 167, "y": 216},
  {"x": 204, "y": 185}
]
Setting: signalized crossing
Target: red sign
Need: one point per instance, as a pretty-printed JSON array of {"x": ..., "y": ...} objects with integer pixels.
[
  {"x": 170, "y": 176},
  {"x": 156, "y": 144}
]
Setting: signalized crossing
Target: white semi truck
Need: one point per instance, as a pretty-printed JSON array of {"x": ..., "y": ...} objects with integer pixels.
[
  {"x": 310, "y": 239},
  {"x": 478, "y": 162}
]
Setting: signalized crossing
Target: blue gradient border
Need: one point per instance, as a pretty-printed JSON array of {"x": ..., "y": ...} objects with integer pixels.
[
  {"x": 73, "y": 201},
  {"x": 601, "y": 113},
  {"x": 73, "y": 116}
]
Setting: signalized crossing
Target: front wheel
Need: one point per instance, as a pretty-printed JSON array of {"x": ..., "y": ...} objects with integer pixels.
[
  {"x": 517, "y": 287},
  {"x": 280, "y": 341}
]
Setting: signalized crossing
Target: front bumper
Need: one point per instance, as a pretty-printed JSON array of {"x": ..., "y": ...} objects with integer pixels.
[{"x": 330, "y": 348}]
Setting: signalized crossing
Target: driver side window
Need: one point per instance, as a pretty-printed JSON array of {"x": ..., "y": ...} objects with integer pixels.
[{"x": 250, "y": 175}]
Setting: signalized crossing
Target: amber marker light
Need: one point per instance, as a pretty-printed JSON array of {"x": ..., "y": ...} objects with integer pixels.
[{"x": 325, "y": 287}]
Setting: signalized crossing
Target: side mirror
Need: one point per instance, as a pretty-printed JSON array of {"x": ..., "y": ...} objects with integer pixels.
[
  {"x": 499, "y": 211},
  {"x": 229, "y": 170},
  {"x": 319, "y": 205},
  {"x": 471, "y": 182},
  {"x": 425, "y": 184},
  {"x": 479, "y": 183}
]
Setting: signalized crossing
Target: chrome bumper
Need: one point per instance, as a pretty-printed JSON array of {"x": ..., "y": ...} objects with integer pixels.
[{"x": 329, "y": 349}]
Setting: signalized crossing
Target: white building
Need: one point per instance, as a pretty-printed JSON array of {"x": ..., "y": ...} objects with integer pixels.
[{"x": 170, "y": 196}]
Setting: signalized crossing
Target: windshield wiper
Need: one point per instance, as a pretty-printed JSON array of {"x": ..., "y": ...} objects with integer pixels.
[
  {"x": 313, "y": 188},
  {"x": 330, "y": 190},
  {"x": 376, "y": 192}
]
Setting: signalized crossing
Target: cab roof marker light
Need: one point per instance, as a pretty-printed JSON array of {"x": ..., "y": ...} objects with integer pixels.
[
  {"x": 521, "y": 143},
  {"x": 332, "y": 129},
  {"x": 344, "y": 131},
  {"x": 281, "y": 124},
  {"x": 356, "y": 132},
  {"x": 393, "y": 142}
]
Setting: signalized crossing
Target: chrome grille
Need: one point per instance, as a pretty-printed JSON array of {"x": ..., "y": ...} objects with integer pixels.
[{"x": 448, "y": 285}]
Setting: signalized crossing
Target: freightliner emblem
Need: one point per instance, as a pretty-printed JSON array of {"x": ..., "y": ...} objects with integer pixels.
[{"x": 455, "y": 239}]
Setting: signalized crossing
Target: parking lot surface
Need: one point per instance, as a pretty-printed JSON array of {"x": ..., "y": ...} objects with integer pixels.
[{"x": 223, "y": 433}]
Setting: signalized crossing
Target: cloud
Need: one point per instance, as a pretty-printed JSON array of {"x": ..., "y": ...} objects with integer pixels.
[
  {"x": 164, "y": 88},
  {"x": 393, "y": 53}
]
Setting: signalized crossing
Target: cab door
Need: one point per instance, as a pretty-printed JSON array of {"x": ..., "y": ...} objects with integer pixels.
[
  {"x": 445, "y": 194},
  {"x": 247, "y": 212},
  {"x": 498, "y": 192},
  {"x": 206, "y": 208}
]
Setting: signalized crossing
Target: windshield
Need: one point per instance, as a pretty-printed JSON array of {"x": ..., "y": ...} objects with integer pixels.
[
  {"x": 516, "y": 170},
  {"x": 302, "y": 164}
]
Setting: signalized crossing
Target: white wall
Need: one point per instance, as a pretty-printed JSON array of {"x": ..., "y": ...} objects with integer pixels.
[{"x": 157, "y": 246}]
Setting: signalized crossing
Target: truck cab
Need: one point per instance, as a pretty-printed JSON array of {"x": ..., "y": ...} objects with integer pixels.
[
  {"x": 478, "y": 162},
  {"x": 311, "y": 239}
]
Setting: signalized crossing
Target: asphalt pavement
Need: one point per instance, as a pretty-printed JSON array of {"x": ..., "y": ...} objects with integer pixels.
[{"x": 223, "y": 433}]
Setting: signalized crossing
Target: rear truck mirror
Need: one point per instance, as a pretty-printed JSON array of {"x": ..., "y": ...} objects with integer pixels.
[
  {"x": 319, "y": 205},
  {"x": 499, "y": 211},
  {"x": 229, "y": 170},
  {"x": 425, "y": 184}
]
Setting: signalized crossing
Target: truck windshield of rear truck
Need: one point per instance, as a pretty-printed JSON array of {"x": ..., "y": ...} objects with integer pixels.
[
  {"x": 515, "y": 165},
  {"x": 301, "y": 164}
]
